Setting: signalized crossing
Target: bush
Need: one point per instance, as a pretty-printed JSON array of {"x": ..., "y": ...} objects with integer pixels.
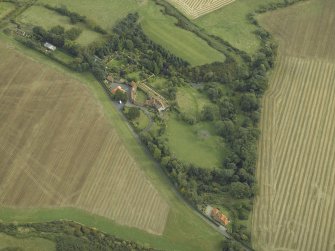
[
  {"x": 73, "y": 33},
  {"x": 240, "y": 190},
  {"x": 131, "y": 113}
]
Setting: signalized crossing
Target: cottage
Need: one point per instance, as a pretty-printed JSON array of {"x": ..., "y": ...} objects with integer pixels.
[
  {"x": 49, "y": 46},
  {"x": 118, "y": 88},
  {"x": 219, "y": 217}
]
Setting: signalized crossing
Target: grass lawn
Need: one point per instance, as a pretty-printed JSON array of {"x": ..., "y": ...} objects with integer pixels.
[
  {"x": 141, "y": 97},
  {"x": 157, "y": 82},
  {"x": 37, "y": 15},
  {"x": 230, "y": 23},
  {"x": 66, "y": 58},
  {"x": 8, "y": 242},
  {"x": 103, "y": 12},
  {"x": 5, "y": 8},
  {"x": 161, "y": 29},
  {"x": 195, "y": 144},
  {"x": 185, "y": 231},
  {"x": 134, "y": 75},
  {"x": 158, "y": 27},
  {"x": 142, "y": 121},
  {"x": 114, "y": 63},
  {"x": 191, "y": 101}
]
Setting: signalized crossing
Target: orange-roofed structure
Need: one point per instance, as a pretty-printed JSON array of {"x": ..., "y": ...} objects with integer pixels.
[
  {"x": 220, "y": 217},
  {"x": 118, "y": 88}
]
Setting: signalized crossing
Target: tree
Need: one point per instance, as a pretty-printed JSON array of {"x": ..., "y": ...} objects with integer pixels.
[
  {"x": 226, "y": 129},
  {"x": 122, "y": 96},
  {"x": 73, "y": 33},
  {"x": 209, "y": 112},
  {"x": 131, "y": 112},
  {"x": 240, "y": 190},
  {"x": 230, "y": 245},
  {"x": 98, "y": 72},
  {"x": 57, "y": 30},
  {"x": 227, "y": 109},
  {"x": 214, "y": 93},
  {"x": 72, "y": 47},
  {"x": 40, "y": 33},
  {"x": 249, "y": 102},
  {"x": 157, "y": 153},
  {"x": 129, "y": 44}
]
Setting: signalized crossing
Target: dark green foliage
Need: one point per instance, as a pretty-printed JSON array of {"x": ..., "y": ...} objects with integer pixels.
[
  {"x": 98, "y": 71},
  {"x": 209, "y": 113},
  {"x": 70, "y": 236},
  {"x": 40, "y": 33},
  {"x": 57, "y": 30},
  {"x": 227, "y": 109},
  {"x": 73, "y": 33},
  {"x": 131, "y": 113},
  {"x": 30, "y": 43},
  {"x": 249, "y": 102},
  {"x": 74, "y": 17},
  {"x": 226, "y": 129},
  {"x": 240, "y": 190},
  {"x": 122, "y": 96},
  {"x": 223, "y": 72},
  {"x": 229, "y": 245}
]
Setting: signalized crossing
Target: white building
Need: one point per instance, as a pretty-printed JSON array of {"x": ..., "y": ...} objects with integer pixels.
[{"x": 50, "y": 46}]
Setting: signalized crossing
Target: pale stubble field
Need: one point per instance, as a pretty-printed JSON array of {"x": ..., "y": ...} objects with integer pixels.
[
  {"x": 295, "y": 208},
  {"x": 57, "y": 149}
]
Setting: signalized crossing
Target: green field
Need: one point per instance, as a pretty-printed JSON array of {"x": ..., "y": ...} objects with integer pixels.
[
  {"x": 8, "y": 242},
  {"x": 230, "y": 23},
  {"x": 157, "y": 83},
  {"x": 103, "y": 12},
  {"x": 195, "y": 144},
  {"x": 160, "y": 28},
  {"x": 5, "y": 8},
  {"x": 37, "y": 15},
  {"x": 191, "y": 101},
  {"x": 185, "y": 231},
  {"x": 141, "y": 97},
  {"x": 142, "y": 121},
  {"x": 62, "y": 56}
]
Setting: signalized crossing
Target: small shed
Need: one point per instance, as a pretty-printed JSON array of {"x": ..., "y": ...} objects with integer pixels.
[{"x": 49, "y": 46}]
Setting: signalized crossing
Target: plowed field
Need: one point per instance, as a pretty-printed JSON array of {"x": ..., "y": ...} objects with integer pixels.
[
  {"x": 197, "y": 8},
  {"x": 295, "y": 209},
  {"x": 57, "y": 149}
]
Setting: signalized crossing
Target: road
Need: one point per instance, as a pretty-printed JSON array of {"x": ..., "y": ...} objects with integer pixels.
[{"x": 220, "y": 229}]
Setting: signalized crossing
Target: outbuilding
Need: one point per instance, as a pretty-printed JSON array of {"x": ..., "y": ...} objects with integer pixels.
[{"x": 49, "y": 46}]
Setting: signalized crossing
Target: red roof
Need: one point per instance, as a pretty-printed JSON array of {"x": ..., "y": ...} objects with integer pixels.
[
  {"x": 118, "y": 88},
  {"x": 216, "y": 214}
]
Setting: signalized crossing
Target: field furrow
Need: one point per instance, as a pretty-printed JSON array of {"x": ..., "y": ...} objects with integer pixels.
[
  {"x": 195, "y": 9},
  {"x": 57, "y": 148},
  {"x": 298, "y": 155}
]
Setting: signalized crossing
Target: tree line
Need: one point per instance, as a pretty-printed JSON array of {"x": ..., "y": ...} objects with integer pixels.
[{"x": 72, "y": 236}]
